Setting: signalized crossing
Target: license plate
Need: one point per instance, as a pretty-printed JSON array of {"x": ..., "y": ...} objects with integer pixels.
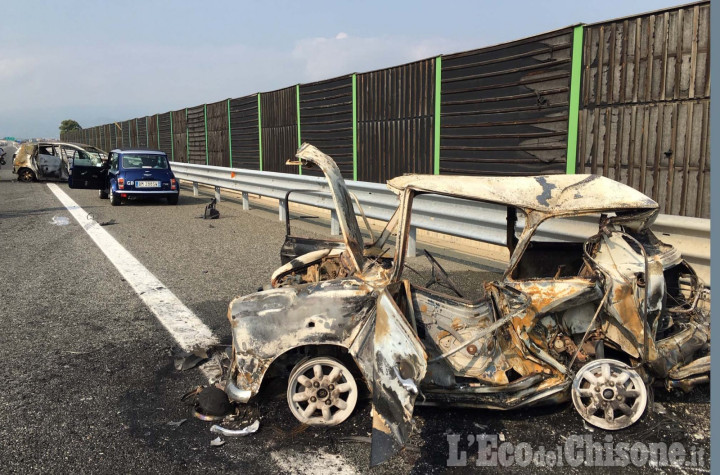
[{"x": 147, "y": 184}]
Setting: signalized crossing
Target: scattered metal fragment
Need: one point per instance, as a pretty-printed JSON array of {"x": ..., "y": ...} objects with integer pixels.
[
  {"x": 207, "y": 418},
  {"x": 217, "y": 442},
  {"x": 177, "y": 423},
  {"x": 186, "y": 360},
  {"x": 247, "y": 430}
]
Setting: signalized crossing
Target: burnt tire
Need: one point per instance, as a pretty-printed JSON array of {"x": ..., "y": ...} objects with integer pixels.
[
  {"x": 26, "y": 175},
  {"x": 321, "y": 392}
]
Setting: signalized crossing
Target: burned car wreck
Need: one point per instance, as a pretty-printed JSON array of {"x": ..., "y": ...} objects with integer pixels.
[{"x": 595, "y": 322}]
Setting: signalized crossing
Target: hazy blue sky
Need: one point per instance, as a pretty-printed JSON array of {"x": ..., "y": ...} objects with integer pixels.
[{"x": 98, "y": 62}]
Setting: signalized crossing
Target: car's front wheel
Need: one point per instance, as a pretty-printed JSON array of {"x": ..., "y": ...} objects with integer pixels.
[
  {"x": 321, "y": 391},
  {"x": 114, "y": 198}
]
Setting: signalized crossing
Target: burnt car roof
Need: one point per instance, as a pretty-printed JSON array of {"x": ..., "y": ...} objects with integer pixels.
[{"x": 556, "y": 194}]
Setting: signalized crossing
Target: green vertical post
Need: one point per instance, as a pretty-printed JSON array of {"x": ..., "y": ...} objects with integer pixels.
[
  {"x": 354, "y": 124},
  {"x": 438, "y": 94},
  {"x": 573, "y": 116},
  {"x": 187, "y": 139},
  {"x": 172, "y": 138},
  {"x": 207, "y": 154},
  {"x": 260, "y": 131},
  {"x": 229, "y": 133},
  {"x": 297, "y": 107}
]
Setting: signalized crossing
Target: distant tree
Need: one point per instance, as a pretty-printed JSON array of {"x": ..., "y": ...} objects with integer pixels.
[{"x": 68, "y": 125}]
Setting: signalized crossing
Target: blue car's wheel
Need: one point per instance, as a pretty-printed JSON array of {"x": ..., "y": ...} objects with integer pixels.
[{"x": 114, "y": 198}]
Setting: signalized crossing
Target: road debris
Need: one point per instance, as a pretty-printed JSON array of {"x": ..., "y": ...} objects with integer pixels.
[
  {"x": 60, "y": 221},
  {"x": 217, "y": 442},
  {"x": 210, "y": 211},
  {"x": 251, "y": 429},
  {"x": 177, "y": 424}
]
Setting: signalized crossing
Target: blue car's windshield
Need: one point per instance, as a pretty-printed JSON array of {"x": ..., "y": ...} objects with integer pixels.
[{"x": 143, "y": 160}]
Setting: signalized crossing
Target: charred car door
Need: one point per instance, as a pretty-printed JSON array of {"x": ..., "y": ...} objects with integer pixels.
[
  {"x": 87, "y": 174},
  {"x": 48, "y": 162},
  {"x": 391, "y": 352}
]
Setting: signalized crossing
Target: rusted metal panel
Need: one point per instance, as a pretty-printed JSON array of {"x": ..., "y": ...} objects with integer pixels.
[
  {"x": 165, "y": 137},
  {"x": 152, "y": 132},
  {"x": 217, "y": 134},
  {"x": 196, "y": 135},
  {"x": 644, "y": 116},
  {"x": 279, "y": 129},
  {"x": 179, "y": 133},
  {"x": 504, "y": 109},
  {"x": 395, "y": 114},
  {"x": 142, "y": 132},
  {"x": 245, "y": 136},
  {"x": 326, "y": 121}
]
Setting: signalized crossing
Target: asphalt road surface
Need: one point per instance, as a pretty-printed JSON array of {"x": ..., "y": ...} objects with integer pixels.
[{"x": 88, "y": 382}]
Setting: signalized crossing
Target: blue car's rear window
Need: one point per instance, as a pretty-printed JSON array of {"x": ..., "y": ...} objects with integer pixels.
[{"x": 141, "y": 160}]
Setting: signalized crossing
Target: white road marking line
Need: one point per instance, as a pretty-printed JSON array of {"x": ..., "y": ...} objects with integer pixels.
[{"x": 184, "y": 326}]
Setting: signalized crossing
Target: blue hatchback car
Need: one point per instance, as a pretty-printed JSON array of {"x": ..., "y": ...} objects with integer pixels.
[{"x": 127, "y": 173}]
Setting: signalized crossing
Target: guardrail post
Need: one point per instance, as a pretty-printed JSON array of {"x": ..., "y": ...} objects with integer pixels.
[
  {"x": 196, "y": 191},
  {"x": 412, "y": 242},
  {"x": 217, "y": 194},
  {"x": 281, "y": 210},
  {"x": 246, "y": 200},
  {"x": 334, "y": 223}
]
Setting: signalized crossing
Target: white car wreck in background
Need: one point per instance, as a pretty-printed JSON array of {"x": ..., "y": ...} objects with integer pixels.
[
  {"x": 595, "y": 321},
  {"x": 52, "y": 160}
]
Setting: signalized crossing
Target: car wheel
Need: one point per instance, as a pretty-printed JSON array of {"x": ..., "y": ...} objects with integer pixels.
[
  {"x": 114, "y": 198},
  {"x": 173, "y": 200},
  {"x": 609, "y": 394},
  {"x": 103, "y": 194},
  {"x": 26, "y": 175},
  {"x": 321, "y": 391}
]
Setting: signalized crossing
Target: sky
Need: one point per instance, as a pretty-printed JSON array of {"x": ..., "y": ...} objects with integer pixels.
[{"x": 99, "y": 61}]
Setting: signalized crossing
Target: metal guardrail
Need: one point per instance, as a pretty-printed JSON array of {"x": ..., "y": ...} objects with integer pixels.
[{"x": 479, "y": 221}]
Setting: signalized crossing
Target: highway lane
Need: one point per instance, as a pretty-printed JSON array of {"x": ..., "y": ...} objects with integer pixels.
[{"x": 88, "y": 382}]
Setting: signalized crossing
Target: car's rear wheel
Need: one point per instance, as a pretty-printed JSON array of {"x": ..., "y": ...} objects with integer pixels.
[
  {"x": 609, "y": 394},
  {"x": 173, "y": 200},
  {"x": 26, "y": 175},
  {"x": 114, "y": 198},
  {"x": 103, "y": 194},
  {"x": 321, "y": 391}
]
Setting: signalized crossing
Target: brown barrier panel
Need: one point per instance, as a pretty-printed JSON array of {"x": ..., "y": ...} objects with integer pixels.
[
  {"x": 244, "y": 131},
  {"x": 217, "y": 134},
  {"x": 179, "y": 135},
  {"x": 395, "y": 114},
  {"x": 644, "y": 117},
  {"x": 279, "y": 129},
  {"x": 326, "y": 121}
]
